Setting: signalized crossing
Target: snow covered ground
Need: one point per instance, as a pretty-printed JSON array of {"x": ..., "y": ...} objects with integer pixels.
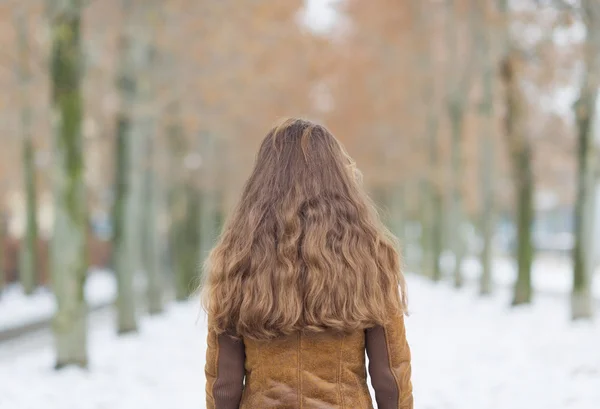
[
  {"x": 16, "y": 309},
  {"x": 551, "y": 274},
  {"x": 468, "y": 353}
]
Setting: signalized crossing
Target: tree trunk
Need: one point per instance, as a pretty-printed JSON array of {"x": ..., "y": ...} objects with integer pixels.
[
  {"x": 28, "y": 257},
  {"x": 434, "y": 218},
  {"x": 68, "y": 259},
  {"x": 437, "y": 235},
  {"x": 459, "y": 85},
  {"x": 152, "y": 254},
  {"x": 583, "y": 251},
  {"x": 525, "y": 212},
  {"x": 127, "y": 235},
  {"x": 184, "y": 211},
  {"x": 124, "y": 233},
  {"x": 520, "y": 154},
  {"x": 587, "y": 161},
  {"x": 456, "y": 202},
  {"x": 185, "y": 242},
  {"x": 487, "y": 218},
  {"x": 28, "y": 248},
  {"x": 209, "y": 207},
  {"x": 146, "y": 122},
  {"x": 487, "y": 213},
  {"x": 409, "y": 246},
  {"x": 2, "y": 251},
  {"x": 398, "y": 214},
  {"x": 426, "y": 216}
]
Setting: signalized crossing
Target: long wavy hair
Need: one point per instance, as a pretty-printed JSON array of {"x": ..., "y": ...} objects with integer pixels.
[{"x": 304, "y": 250}]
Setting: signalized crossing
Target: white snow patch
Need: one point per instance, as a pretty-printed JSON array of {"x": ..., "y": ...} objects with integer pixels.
[
  {"x": 468, "y": 353},
  {"x": 551, "y": 275},
  {"x": 17, "y": 309},
  {"x": 474, "y": 353}
]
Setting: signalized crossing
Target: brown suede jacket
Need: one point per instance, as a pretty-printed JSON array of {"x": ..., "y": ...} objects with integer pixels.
[{"x": 310, "y": 370}]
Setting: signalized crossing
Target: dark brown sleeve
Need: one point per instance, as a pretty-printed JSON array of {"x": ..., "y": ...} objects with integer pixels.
[
  {"x": 389, "y": 365},
  {"x": 225, "y": 358}
]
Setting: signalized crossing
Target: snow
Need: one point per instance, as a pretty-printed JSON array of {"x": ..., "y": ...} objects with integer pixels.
[
  {"x": 161, "y": 367},
  {"x": 468, "y": 353},
  {"x": 16, "y": 309},
  {"x": 474, "y": 353},
  {"x": 551, "y": 274}
]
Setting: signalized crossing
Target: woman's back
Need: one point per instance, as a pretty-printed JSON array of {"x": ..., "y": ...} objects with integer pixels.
[
  {"x": 311, "y": 371},
  {"x": 303, "y": 281}
]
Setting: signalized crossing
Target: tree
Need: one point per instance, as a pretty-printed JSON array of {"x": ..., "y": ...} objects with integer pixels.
[
  {"x": 183, "y": 205},
  {"x": 2, "y": 242},
  {"x": 457, "y": 98},
  {"x": 152, "y": 200},
  {"x": 587, "y": 159},
  {"x": 209, "y": 200},
  {"x": 128, "y": 229},
  {"x": 487, "y": 214},
  {"x": 68, "y": 254},
  {"x": 432, "y": 208},
  {"x": 147, "y": 123},
  {"x": 121, "y": 254},
  {"x": 28, "y": 266},
  {"x": 520, "y": 153}
]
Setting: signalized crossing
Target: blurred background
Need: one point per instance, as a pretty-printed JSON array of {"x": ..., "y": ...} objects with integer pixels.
[{"x": 128, "y": 127}]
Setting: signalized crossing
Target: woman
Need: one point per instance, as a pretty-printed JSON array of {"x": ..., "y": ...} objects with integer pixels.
[{"x": 303, "y": 281}]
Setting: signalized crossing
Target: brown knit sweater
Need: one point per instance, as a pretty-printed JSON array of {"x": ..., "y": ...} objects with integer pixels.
[{"x": 310, "y": 370}]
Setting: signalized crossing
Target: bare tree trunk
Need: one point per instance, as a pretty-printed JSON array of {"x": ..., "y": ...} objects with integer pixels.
[
  {"x": 68, "y": 259},
  {"x": 456, "y": 203},
  {"x": 28, "y": 249},
  {"x": 426, "y": 221},
  {"x": 487, "y": 215},
  {"x": 124, "y": 235},
  {"x": 127, "y": 235},
  {"x": 209, "y": 219},
  {"x": 583, "y": 251},
  {"x": 153, "y": 246},
  {"x": 525, "y": 214},
  {"x": 185, "y": 239},
  {"x": 410, "y": 245},
  {"x": 184, "y": 208},
  {"x": 437, "y": 231},
  {"x": 435, "y": 207},
  {"x": 520, "y": 154},
  {"x": 2, "y": 251},
  {"x": 398, "y": 213},
  {"x": 147, "y": 124},
  {"x": 519, "y": 148},
  {"x": 432, "y": 215},
  {"x": 457, "y": 99},
  {"x": 487, "y": 219},
  {"x": 587, "y": 160}
]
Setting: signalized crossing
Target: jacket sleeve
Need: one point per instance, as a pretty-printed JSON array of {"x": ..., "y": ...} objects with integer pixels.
[
  {"x": 225, "y": 358},
  {"x": 389, "y": 364}
]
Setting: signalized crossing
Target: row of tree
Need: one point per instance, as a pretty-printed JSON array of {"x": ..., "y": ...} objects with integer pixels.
[
  {"x": 461, "y": 82},
  {"x": 145, "y": 128},
  {"x": 156, "y": 125}
]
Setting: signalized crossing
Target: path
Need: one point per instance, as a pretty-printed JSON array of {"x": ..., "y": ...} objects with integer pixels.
[{"x": 468, "y": 353}]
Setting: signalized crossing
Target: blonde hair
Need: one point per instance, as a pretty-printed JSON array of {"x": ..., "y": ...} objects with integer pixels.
[{"x": 304, "y": 250}]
